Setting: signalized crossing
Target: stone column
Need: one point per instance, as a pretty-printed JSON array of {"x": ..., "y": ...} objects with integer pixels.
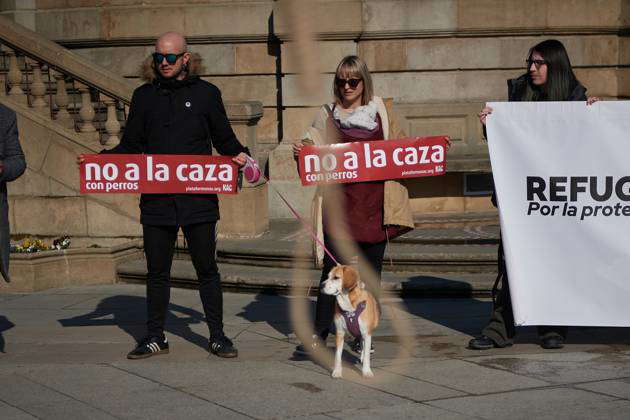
[
  {"x": 112, "y": 125},
  {"x": 87, "y": 113},
  {"x": 15, "y": 79},
  {"x": 63, "y": 117},
  {"x": 246, "y": 214},
  {"x": 38, "y": 88}
]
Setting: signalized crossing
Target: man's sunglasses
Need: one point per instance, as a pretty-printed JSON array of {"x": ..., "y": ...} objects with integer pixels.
[
  {"x": 341, "y": 83},
  {"x": 170, "y": 58},
  {"x": 537, "y": 63}
]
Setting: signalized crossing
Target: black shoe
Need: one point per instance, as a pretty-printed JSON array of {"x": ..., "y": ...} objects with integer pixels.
[
  {"x": 148, "y": 347},
  {"x": 552, "y": 341},
  {"x": 357, "y": 346},
  {"x": 222, "y": 347},
  {"x": 305, "y": 349},
  {"x": 483, "y": 342}
]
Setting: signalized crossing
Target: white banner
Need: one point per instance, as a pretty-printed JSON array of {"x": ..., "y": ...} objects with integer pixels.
[{"x": 562, "y": 177}]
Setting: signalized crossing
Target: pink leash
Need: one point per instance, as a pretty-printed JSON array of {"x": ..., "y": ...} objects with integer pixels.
[
  {"x": 306, "y": 225},
  {"x": 253, "y": 173}
]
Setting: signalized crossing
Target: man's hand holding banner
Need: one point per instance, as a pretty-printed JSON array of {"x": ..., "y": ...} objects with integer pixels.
[
  {"x": 373, "y": 160},
  {"x": 158, "y": 174},
  {"x": 563, "y": 188}
]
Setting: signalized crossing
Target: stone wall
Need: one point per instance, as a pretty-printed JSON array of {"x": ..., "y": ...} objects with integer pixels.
[{"x": 439, "y": 59}]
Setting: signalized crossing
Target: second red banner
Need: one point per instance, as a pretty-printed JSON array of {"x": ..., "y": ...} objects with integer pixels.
[{"x": 373, "y": 160}]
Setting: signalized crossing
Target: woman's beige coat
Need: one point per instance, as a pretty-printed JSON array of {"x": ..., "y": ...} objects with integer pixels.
[{"x": 396, "y": 206}]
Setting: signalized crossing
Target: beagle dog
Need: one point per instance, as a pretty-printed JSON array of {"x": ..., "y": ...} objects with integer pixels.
[{"x": 356, "y": 312}]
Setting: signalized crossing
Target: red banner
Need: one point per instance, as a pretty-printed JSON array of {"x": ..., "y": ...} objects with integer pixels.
[
  {"x": 373, "y": 160},
  {"x": 158, "y": 174}
]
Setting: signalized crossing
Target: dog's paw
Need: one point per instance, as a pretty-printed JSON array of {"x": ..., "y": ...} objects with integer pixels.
[
  {"x": 367, "y": 373},
  {"x": 336, "y": 373}
]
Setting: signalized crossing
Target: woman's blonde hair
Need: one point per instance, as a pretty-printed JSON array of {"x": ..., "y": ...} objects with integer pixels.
[{"x": 353, "y": 66}]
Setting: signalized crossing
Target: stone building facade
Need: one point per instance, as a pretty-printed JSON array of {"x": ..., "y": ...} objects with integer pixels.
[{"x": 439, "y": 59}]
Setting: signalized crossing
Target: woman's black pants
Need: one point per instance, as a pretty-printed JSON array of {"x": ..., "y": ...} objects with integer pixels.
[
  {"x": 159, "y": 246},
  {"x": 370, "y": 254},
  {"x": 501, "y": 326}
]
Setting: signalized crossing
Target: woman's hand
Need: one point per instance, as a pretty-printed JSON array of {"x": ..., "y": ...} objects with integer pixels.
[
  {"x": 297, "y": 147},
  {"x": 240, "y": 159},
  {"x": 592, "y": 100},
  {"x": 484, "y": 113},
  {"x": 80, "y": 160}
]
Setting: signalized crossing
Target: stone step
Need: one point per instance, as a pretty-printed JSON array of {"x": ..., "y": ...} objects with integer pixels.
[
  {"x": 399, "y": 256},
  {"x": 247, "y": 278}
]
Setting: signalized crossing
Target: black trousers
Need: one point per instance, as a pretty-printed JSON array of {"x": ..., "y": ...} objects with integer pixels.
[
  {"x": 159, "y": 245},
  {"x": 370, "y": 255},
  {"x": 501, "y": 328}
]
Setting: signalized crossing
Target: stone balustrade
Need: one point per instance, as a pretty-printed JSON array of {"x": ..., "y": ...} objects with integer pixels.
[{"x": 72, "y": 104}]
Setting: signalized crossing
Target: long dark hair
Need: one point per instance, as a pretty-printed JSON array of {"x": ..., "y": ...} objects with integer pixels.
[{"x": 560, "y": 77}]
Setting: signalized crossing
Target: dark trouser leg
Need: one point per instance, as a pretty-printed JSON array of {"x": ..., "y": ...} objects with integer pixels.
[
  {"x": 159, "y": 244},
  {"x": 202, "y": 247},
  {"x": 371, "y": 259},
  {"x": 325, "y": 306},
  {"x": 501, "y": 326}
]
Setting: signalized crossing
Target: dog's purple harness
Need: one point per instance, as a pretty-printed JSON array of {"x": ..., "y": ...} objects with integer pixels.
[{"x": 352, "y": 319}]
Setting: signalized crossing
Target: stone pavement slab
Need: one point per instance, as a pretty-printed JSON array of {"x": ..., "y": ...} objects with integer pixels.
[
  {"x": 563, "y": 403},
  {"x": 400, "y": 412},
  {"x": 62, "y": 356},
  {"x": 561, "y": 368},
  {"x": 616, "y": 387},
  {"x": 13, "y": 413},
  {"x": 466, "y": 376}
]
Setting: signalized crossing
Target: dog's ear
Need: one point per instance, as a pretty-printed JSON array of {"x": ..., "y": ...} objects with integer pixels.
[{"x": 350, "y": 277}]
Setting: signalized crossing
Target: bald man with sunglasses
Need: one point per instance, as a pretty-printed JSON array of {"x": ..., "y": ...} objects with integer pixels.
[{"x": 176, "y": 112}]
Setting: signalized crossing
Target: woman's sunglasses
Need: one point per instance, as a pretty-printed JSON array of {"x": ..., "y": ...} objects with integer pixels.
[
  {"x": 170, "y": 58},
  {"x": 537, "y": 63},
  {"x": 341, "y": 83}
]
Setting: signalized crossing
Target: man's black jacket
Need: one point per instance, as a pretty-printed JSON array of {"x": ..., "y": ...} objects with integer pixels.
[{"x": 178, "y": 117}]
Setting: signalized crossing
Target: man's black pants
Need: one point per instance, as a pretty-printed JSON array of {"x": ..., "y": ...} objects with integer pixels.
[
  {"x": 159, "y": 245},
  {"x": 370, "y": 255}
]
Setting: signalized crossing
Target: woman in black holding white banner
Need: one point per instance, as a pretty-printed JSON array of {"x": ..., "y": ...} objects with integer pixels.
[
  {"x": 549, "y": 77},
  {"x": 364, "y": 215}
]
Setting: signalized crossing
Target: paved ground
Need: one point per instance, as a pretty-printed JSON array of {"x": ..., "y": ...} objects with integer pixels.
[{"x": 64, "y": 357}]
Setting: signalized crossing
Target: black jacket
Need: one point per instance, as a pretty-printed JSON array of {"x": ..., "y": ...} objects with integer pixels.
[
  {"x": 516, "y": 89},
  {"x": 12, "y": 157},
  {"x": 184, "y": 117}
]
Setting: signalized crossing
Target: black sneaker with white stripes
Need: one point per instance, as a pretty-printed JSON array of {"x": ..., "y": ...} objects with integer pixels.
[
  {"x": 222, "y": 347},
  {"x": 148, "y": 347}
]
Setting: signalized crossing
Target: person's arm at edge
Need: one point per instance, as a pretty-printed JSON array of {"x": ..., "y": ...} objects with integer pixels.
[{"x": 14, "y": 163}]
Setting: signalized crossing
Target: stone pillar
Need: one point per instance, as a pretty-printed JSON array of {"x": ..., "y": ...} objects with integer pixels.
[
  {"x": 15, "y": 79},
  {"x": 246, "y": 214},
  {"x": 87, "y": 113},
  {"x": 38, "y": 88},
  {"x": 284, "y": 175},
  {"x": 63, "y": 117},
  {"x": 112, "y": 125},
  {"x": 244, "y": 117}
]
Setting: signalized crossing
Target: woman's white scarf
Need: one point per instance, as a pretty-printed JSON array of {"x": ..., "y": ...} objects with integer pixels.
[{"x": 363, "y": 117}]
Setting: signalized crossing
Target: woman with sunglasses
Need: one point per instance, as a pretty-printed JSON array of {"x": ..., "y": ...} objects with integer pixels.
[
  {"x": 549, "y": 77},
  {"x": 362, "y": 215}
]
